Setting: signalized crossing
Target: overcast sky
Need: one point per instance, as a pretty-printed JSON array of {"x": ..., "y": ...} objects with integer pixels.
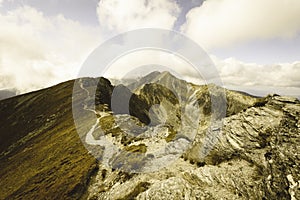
[{"x": 254, "y": 43}]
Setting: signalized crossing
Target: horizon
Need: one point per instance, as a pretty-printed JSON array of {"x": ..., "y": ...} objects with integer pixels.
[{"x": 128, "y": 80}]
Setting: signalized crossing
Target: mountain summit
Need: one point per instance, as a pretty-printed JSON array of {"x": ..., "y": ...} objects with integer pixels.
[{"x": 157, "y": 138}]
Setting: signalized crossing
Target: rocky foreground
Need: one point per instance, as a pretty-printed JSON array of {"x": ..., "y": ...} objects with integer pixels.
[{"x": 252, "y": 152}]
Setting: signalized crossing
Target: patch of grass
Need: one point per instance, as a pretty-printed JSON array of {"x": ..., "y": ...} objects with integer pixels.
[
  {"x": 171, "y": 134},
  {"x": 107, "y": 123},
  {"x": 141, "y": 148}
]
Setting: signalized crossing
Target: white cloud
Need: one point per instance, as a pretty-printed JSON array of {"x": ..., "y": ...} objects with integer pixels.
[
  {"x": 221, "y": 23},
  {"x": 234, "y": 72},
  {"x": 250, "y": 77},
  {"x": 142, "y": 62},
  {"x": 37, "y": 51},
  {"x": 231, "y": 71},
  {"x": 120, "y": 15}
]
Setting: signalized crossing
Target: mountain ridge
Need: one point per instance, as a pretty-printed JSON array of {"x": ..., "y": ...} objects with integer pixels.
[{"x": 43, "y": 156}]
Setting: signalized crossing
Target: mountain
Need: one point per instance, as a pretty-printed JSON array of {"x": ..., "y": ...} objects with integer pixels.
[
  {"x": 4, "y": 94},
  {"x": 41, "y": 153},
  {"x": 157, "y": 138}
]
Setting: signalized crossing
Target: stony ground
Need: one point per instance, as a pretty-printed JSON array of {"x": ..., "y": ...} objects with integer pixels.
[{"x": 256, "y": 157}]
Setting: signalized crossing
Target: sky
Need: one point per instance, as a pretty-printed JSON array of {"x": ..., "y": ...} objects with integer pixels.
[{"x": 255, "y": 44}]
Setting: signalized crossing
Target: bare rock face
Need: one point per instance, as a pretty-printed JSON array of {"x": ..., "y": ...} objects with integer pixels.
[
  {"x": 264, "y": 138},
  {"x": 256, "y": 157}
]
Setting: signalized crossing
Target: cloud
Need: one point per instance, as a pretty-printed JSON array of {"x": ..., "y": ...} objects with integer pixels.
[
  {"x": 223, "y": 23},
  {"x": 142, "y": 62},
  {"x": 234, "y": 72},
  {"x": 250, "y": 77},
  {"x": 120, "y": 15},
  {"x": 38, "y": 51}
]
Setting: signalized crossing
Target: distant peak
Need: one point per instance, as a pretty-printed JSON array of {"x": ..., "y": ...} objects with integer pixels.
[
  {"x": 167, "y": 73},
  {"x": 154, "y": 73}
]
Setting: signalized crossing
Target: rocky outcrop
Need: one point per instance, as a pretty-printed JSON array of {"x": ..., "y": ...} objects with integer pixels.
[
  {"x": 123, "y": 101},
  {"x": 255, "y": 157},
  {"x": 163, "y": 86}
]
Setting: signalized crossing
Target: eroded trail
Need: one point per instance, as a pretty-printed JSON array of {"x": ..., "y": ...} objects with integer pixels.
[{"x": 110, "y": 149}]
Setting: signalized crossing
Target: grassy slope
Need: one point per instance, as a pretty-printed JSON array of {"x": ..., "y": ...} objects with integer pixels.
[{"x": 48, "y": 159}]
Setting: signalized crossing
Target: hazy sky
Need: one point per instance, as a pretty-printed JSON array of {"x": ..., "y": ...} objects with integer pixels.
[{"x": 253, "y": 42}]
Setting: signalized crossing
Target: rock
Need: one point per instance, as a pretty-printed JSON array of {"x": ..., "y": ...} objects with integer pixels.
[{"x": 252, "y": 155}]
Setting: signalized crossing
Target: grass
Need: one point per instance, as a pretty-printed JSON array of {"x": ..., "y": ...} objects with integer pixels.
[
  {"x": 51, "y": 164},
  {"x": 141, "y": 148}
]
